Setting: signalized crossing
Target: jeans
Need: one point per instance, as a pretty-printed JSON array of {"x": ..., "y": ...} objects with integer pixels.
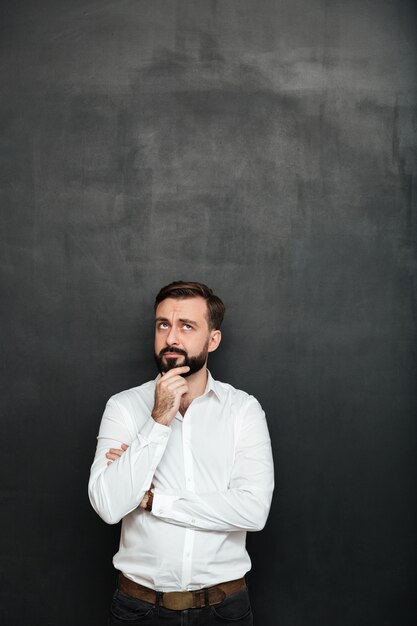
[{"x": 126, "y": 610}]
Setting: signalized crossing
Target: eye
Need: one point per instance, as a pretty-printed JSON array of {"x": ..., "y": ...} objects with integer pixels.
[
  {"x": 163, "y": 325},
  {"x": 187, "y": 327}
]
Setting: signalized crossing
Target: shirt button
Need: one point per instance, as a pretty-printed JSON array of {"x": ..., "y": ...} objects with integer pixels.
[{"x": 193, "y": 521}]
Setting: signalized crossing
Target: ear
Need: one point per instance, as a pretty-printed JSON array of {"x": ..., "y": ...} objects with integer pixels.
[{"x": 214, "y": 340}]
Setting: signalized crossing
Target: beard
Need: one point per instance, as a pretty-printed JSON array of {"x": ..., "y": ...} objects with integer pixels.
[{"x": 195, "y": 363}]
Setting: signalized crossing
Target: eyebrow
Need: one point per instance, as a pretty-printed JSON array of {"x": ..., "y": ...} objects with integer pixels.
[
  {"x": 187, "y": 321},
  {"x": 183, "y": 320}
]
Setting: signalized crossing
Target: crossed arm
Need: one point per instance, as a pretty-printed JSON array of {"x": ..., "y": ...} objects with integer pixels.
[
  {"x": 243, "y": 506},
  {"x": 113, "y": 454},
  {"x": 120, "y": 487},
  {"x": 122, "y": 475}
]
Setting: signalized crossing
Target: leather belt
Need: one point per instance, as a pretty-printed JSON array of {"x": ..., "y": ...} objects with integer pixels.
[{"x": 181, "y": 600}]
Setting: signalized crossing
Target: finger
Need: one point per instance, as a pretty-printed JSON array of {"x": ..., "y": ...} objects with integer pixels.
[
  {"x": 144, "y": 501},
  {"x": 172, "y": 383},
  {"x": 175, "y": 371},
  {"x": 178, "y": 382},
  {"x": 114, "y": 453},
  {"x": 180, "y": 391}
]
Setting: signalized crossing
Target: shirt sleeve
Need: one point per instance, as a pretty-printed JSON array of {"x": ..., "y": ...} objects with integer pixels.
[
  {"x": 116, "y": 489},
  {"x": 245, "y": 504}
]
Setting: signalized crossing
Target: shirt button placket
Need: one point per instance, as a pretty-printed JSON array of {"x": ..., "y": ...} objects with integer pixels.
[
  {"x": 189, "y": 485},
  {"x": 188, "y": 463}
]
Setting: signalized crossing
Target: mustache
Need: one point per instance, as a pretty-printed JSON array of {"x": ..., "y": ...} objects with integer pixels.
[{"x": 176, "y": 350}]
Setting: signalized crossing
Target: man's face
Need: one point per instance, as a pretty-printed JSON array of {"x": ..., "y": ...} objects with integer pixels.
[{"x": 182, "y": 335}]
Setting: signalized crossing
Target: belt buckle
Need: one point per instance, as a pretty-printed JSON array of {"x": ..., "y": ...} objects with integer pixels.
[{"x": 177, "y": 600}]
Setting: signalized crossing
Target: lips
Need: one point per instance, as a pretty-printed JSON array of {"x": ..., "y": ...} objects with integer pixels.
[{"x": 171, "y": 354}]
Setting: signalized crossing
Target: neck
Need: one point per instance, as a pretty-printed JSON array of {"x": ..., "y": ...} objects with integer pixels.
[{"x": 196, "y": 383}]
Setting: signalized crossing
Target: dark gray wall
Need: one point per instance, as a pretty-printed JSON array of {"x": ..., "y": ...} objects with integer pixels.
[{"x": 266, "y": 148}]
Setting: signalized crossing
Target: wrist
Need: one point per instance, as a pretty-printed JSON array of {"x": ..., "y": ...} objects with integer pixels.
[
  {"x": 160, "y": 419},
  {"x": 150, "y": 500}
]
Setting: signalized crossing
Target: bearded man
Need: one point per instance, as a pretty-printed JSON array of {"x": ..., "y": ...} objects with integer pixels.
[{"x": 185, "y": 462}]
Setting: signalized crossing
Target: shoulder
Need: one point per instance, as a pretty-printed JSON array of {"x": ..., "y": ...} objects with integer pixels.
[
  {"x": 239, "y": 399},
  {"x": 136, "y": 401},
  {"x": 134, "y": 394},
  {"x": 245, "y": 412},
  {"x": 130, "y": 408}
]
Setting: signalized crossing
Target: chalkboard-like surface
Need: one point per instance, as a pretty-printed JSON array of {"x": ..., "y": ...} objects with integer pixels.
[{"x": 267, "y": 149}]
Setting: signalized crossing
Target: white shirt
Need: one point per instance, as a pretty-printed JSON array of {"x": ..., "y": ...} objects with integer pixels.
[{"x": 213, "y": 476}]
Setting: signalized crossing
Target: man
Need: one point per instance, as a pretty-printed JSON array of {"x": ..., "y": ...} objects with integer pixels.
[{"x": 185, "y": 462}]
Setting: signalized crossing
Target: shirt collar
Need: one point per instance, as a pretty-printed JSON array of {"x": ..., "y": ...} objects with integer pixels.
[{"x": 212, "y": 385}]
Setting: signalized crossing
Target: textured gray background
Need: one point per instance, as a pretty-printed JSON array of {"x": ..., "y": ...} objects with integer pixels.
[{"x": 266, "y": 148}]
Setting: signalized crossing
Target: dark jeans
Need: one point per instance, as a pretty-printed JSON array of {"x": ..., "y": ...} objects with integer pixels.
[{"x": 235, "y": 609}]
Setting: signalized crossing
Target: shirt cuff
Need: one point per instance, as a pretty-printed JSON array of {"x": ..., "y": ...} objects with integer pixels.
[{"x": 154, "y": 432}]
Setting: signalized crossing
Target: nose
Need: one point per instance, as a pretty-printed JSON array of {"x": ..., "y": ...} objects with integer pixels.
[{"x": 172, "y": 339}]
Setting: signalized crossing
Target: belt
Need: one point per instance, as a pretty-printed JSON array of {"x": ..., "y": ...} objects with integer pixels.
[{"x": 181, "y": 600}]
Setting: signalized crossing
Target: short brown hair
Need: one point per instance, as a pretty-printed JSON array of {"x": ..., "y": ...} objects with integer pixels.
[{"x": 180, "y": 289}]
